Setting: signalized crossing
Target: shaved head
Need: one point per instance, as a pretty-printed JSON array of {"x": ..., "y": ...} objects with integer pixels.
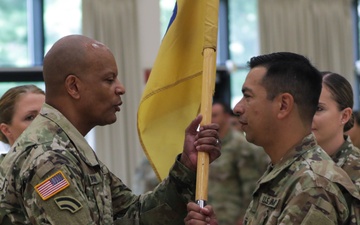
[
  {"x": 81, "y": 81},
  {"x": 71, "y": 54}
]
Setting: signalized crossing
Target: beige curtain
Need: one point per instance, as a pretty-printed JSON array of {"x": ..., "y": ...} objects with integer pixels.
[
  {"x": 114, "y": 23},
  {"x": 318, "y": 29}
]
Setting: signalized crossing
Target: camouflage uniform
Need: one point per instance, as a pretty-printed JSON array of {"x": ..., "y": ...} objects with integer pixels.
[
  {"x": 51, "y": 152},
  {"x": 233, "y": 177},
  {"x": 2, "y": 156},
  {"x": 348, "y": 158},
  {"x": 304, "y": 188}
]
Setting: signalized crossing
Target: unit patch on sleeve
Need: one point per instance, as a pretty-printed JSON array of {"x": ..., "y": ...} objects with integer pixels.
[
  {"x": 68, "y": 203},
  {"x": 52, "y": 185}
]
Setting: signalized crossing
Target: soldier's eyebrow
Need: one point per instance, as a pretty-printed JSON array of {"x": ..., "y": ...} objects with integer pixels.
[{"x": 246, "y": 89}]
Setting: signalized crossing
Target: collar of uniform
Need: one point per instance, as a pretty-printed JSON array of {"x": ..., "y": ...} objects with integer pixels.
[
  {"x": 290, "y": 157},
  {"x": 81, "y": 144},
  {"x": 343, "y": 152}
]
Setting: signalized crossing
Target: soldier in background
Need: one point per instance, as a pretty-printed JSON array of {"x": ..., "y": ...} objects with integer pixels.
[
  {"x": 233, "y": 177},
  {"x": 333, "y": 118},
  {"x": 18, "y": 108}
]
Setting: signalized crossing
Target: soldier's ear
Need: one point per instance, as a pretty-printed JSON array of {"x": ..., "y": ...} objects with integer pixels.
[
  {"x": 72, "y": 84},
  {"x": 4, "y": 128},
  {"x": 285, "y": 105},
  {"x": 346, "y": 115}
]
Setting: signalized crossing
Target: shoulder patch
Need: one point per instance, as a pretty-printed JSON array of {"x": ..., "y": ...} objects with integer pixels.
[
  {"x": 68, "y": 203},
  {"x": 52, "y": 185}
]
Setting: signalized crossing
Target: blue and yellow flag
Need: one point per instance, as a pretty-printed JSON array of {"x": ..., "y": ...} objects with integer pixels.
[{"x": 172, "y": 95}]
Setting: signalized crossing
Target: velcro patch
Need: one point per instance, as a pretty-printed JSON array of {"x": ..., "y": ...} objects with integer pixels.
[
  {"x": 68, "y": 203},
  {"x": 52, "y": 185},
  {"x": 269, "y": 200}
]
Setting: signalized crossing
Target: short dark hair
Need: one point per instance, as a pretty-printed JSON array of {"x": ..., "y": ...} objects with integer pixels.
[
  {"x": 294, "y": 74},
  {"x": 356, "y": 115},
  {"x": 341, "y": 92},
  {"x": 226, "y": 107}
]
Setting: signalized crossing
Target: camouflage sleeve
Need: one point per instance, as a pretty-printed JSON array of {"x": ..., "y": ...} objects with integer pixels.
[
  {"x": 2, "y": 156},
  {"x": 166, "y": 204},
  {"x": 312, "y": 207},
  {"x": 56, "y": 188},
  {"x": 70, "y": 205}
]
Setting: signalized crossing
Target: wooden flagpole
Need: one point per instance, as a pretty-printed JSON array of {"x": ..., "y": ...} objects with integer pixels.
[{"x": 208, "y": 86}]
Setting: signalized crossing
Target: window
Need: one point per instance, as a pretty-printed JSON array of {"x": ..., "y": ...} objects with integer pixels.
[
  {"x": 57, "y": 23},
  {"x": 29, "y": 28},
  {"x": 166, "y": 10},
  {"x": 243, "y": 42},
  {"x": 13, "y": 35}
]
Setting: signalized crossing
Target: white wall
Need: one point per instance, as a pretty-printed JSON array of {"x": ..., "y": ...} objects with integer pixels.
[
  {"x": 148, "y": 14},
  {"x": 149, "y": 31}
]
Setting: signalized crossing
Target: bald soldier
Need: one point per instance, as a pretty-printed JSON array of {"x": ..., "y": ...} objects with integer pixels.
[{"x": 52, "y": 176}]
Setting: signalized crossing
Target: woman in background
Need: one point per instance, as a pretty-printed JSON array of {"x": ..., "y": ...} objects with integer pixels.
[
  {"x": 332, "y": 119},
  {"x": 18, "y": 108}
]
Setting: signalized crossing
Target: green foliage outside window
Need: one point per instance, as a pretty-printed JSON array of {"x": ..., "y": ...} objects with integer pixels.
[{"x": 13, "y": 35}]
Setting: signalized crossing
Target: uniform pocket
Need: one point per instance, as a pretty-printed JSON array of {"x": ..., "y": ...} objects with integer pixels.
[{"x": 315, "y": 217}]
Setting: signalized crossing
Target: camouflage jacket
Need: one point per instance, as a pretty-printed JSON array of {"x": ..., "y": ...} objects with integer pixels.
[
  {"x": 348, "y": 158},
  {"x": 305, "y": 187},
  {"x": 233, "y": 177},
  {"x": 52, "y": 176}
]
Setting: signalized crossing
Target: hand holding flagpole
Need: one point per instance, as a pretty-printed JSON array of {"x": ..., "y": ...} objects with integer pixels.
[{"x": 208, "y": 87}]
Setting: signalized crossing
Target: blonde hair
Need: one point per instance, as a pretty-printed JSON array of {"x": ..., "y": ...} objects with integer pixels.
[{"x": 9, "y": 100}]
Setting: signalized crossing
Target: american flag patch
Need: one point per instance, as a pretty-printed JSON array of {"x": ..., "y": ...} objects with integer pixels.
[{"x": 52, "y": 185}]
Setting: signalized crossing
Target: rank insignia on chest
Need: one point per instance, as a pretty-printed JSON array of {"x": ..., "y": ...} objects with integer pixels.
[
  {"x": 52, "y": 185},
  {"x": 269, "y": 200}
]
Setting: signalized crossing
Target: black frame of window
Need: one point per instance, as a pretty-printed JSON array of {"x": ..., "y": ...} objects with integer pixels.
[{"x": 15, "y": 74}]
